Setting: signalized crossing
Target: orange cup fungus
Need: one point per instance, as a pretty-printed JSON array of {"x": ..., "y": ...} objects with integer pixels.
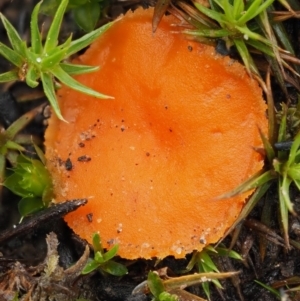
[{"x": 179, "y": 132}]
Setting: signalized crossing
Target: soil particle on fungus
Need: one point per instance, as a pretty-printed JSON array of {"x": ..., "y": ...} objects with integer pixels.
[
  {"x": 84, "y": 158},
  {"x": 68, "y": 164},
  {"x": 89, "y": 216},
  {"x": 87, "y": 135}
]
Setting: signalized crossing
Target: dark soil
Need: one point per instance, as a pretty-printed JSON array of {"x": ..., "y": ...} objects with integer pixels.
[{"x": 23, "y": 247}]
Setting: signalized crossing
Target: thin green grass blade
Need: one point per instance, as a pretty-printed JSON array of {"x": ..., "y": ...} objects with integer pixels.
[
  {"x": 20, "y": 123},
  {"x": 294, "y": 149},
  {"x": 210, "y": 33},
  {"x": 60, "y": 54},
  {"x": 219, "y": 5},
  {"x": 73, "y": 69},
  {"x": 12, "y": 145},
  {"x": 285, "y": 193},
  {"x": 36, "y": 41},
  {"x": 254, "y": 10},
  {"x": 260, "y": 46},
  {"x": 13, "y": 36},
  {"x": 192, "y": 262},
  {"x": 283, "y": 214},
  {"x": 253, "y": 35},
  {"x": 66, "y": 79},
  {"x": 87, "y": 39},
  {"x": 254, "y": 199},
  {"x": 48, "y": 86},
  {"x": 250, "y": 11},
  {"x": 97, "y": 244},
  {"x": 230, "y": 253},
  {"x": 91, "y": 266},
  {"x": 211, "y": 249},
  {"x": 207, "y": 263},
  {"x": 155, "y": 284},
  {"x": 269, "y": 288},
  {"x": 245, "y": 55},
  {"x": 111, "y": 253},
  {"x": 228, "y": 10},
  {"x": 52, "y": 36},
  {"x": 211, "y": 13},
  {"x": 238, "y": 9},
  {"x": 272, "y": 124},
  {"x": 206, "y": 288},
  {"x": 267, "y": 146},
  {"x": 9, "y": 76},
  {"x": 11, "y": 55},
  {"x": 2, "y": 171},
  {"x": 258, "y": 179},
  {"x": 282, "y": 155},
  {"x": 39, "y": 153},
  {"x": 114, "y": 268},
  {"x": 283, "y": 36}
]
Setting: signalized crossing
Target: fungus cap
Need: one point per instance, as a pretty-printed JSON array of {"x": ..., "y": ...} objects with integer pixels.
[{"x": 179, "y": 133}]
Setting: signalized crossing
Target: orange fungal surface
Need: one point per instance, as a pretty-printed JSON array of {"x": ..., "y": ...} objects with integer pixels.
[{"x": 179, "y": 132}]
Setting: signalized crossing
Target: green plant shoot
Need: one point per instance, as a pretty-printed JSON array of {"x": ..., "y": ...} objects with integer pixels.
[
  {"x": 283, "y": 167},
  {"x": 103, "y": 260},
  {"x": 47, "y": 62},
  {"x": 30, "y": 180},
  {"x": 204, "y": 263},
  {"x": 232, "y": 24},
  {"x": 157, "y": 289}
]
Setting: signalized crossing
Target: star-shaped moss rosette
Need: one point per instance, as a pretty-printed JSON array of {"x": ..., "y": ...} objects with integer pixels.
[
  {"x": 12, "y": 141},
  {"x": 249, "y": 26},
  {"x": 46, "y": 62},
  {"x": 30, "y": 180},
  {"x": 233, "y": 24}
]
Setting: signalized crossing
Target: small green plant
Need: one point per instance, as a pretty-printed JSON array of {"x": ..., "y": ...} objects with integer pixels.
[
  {"x": 86, "y": 12},
  {"x": 282, "y": 166},
  {"x": 269, "y": 288},
  {"x": 204, "y": 263},
  {"x": 284, "y": 289},
  {"x": 157, "y": 288},
  {"x": 12, "y": 142},
  {"x": 171, "y": 289},
  {"x": 247, "y": 25},
  {"x": 233, "y": 19},
  {"x": 103, "y": 260},
  {"x": 47, "y": 62},
  {"x": 30, "y": 180}
]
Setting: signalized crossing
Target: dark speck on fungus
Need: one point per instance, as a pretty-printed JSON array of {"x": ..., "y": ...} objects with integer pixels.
[
  {"x": 84, "y": 158},
  {"x": 89, "y": 216},
  {"x": 68, "y": 164}
]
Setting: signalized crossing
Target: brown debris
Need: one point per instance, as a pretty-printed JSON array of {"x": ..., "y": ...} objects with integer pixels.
[{"x": 46, "y": 281}]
